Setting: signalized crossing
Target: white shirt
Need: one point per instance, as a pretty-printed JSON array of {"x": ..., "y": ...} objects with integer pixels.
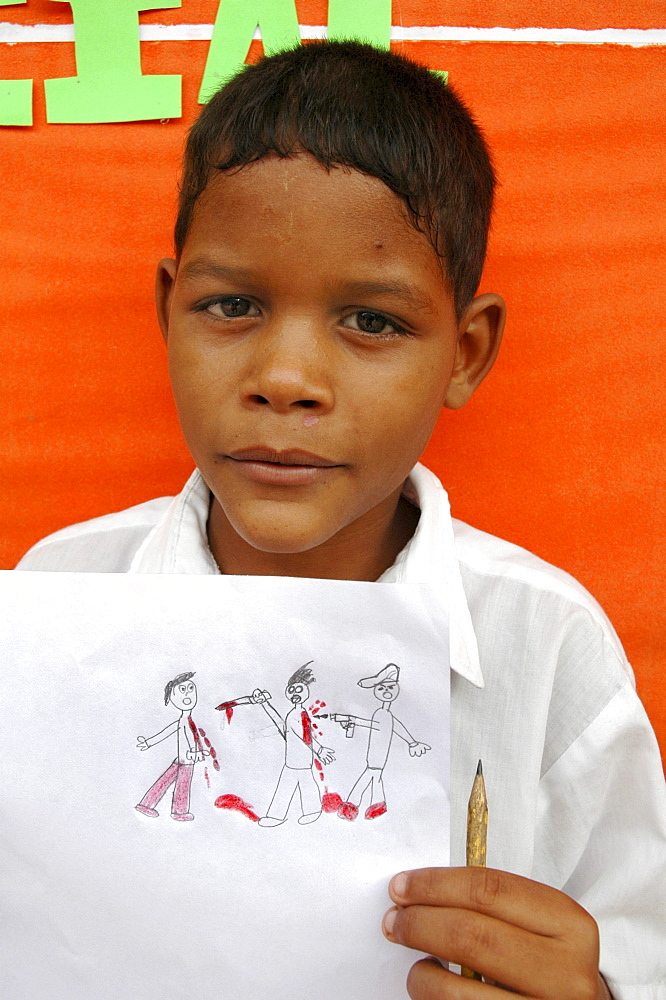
[{"x": 541, "y": 691}]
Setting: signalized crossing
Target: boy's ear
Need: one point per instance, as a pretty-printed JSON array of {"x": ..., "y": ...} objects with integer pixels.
[
  {"x": 164, "y": 282},
  {"x": 479, "y": 339}
]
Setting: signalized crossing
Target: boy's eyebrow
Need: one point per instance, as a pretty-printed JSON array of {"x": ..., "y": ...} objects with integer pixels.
[
  {"x": 203, "y": 267},
  {"x": 410, "y": 294}
]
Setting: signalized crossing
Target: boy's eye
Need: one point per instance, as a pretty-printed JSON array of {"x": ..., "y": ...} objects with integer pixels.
[
  {"x": 231, "y": 307},
  {"x": 373, "y": 323}
]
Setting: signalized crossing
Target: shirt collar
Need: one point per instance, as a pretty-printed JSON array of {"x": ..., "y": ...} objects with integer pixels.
[{"x": 178, "y": 544}]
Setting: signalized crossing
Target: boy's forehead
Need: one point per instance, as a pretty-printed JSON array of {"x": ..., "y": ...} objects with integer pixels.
[
  {"x": 351, "y": 223},
  {"x": 339, "y": 197}
]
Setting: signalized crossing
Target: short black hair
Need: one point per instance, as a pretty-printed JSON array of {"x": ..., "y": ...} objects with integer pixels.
[
  {"x": 302, "y": 676},
  {"x": 348, "y": 103},
  {"x": 180, "y": 679}
]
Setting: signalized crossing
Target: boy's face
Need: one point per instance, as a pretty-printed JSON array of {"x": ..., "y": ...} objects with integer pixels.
[{"x": 312, "y": 342}]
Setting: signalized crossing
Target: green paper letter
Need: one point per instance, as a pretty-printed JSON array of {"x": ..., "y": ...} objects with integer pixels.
[
  {"x": 15, "y": 95},
  {"x": 110, "y": 86},
  {"x": 367, "y": 21},
  {"x": 234, "y": 28}
]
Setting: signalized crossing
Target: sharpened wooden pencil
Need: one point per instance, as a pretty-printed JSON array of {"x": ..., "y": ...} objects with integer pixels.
[{"x": 477, "y": 834}]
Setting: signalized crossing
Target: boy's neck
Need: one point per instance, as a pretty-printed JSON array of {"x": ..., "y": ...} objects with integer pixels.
[{"x": 362, "y": 551}]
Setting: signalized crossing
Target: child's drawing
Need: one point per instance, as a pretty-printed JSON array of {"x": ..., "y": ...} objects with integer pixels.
[
  {"x": 382, "y": 726},
  {"x": 181, "y": 692},
  {"x": 301, "y": 748}
]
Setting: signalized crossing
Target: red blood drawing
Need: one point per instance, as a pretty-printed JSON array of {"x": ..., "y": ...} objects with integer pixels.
[
  {"x": 307, "y": 728},
  {"x": 202, "y": 732},
  {"x": 228, "y": 707},
  {"x": 348, "y": 811},
  {"x": 236, "y": 803},
  {"x": 331, "y": 802},
  {"x": 197, "y": 734},
  {"x": 318, "y": 765},
  {"x": 206, "y": 777},
  {"x": 376, "y": 809}
]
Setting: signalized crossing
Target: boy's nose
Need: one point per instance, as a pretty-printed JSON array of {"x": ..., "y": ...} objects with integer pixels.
[{"x": 289, "y": 369}]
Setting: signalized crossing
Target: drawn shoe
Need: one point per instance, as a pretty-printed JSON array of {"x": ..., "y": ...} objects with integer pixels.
[
  {"x": 309, "y": 818},
  {"x": 376, "y": 809},
  {"x": 182, "y": 817},
  {"x": 146, "y": 810},
  {"x": 271, "y": 821},
  {"x": 348, "y": 811}
]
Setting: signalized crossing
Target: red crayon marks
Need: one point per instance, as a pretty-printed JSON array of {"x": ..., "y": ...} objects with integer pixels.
[
  {"x": 348, "y": 811},
  {"x": 331, "y": 802},
  {"x": 307, "y": 728},
  {"x": 318, "y": 765},
  {"x": 377, "y": 809},
  {"x": 206, "y": 777},
  {"x": 228, "y": 707},
  {"x": 237, "y": 804},
  {"x": 197, "y": 734}
]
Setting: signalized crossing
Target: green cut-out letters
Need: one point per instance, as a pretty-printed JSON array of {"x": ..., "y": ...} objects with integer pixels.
[
  {"x": 109, "y": 86},
  {"x": 367, "y": 21},
  {"x": 15, "y": 95},
  {"x": 232, "y": 35}
]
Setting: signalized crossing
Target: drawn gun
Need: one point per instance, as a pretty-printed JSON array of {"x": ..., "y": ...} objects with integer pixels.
[{"x": 346, "y": 722}]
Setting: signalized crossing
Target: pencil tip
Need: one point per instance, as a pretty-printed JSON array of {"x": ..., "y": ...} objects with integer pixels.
[{"x": 479, "y": 769}]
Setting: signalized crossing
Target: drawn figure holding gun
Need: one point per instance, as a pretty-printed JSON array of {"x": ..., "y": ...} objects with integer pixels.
[
  {"x": 382, "y": 726},
  {"x": 301, "y": 747}
]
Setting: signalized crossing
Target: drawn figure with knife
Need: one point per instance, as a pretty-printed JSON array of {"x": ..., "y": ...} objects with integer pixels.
[
  {"x": 301, "y": 749},
  {"x": 383, "y": 725}
]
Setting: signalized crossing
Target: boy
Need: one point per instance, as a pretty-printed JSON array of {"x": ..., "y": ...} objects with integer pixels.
[{"x": 319, "y": 313}]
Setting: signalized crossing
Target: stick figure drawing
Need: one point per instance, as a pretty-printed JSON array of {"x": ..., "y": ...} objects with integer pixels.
[
  {"x": 181, "y": 692},
  {"x": 301, "y": 747},
  {"x": 382, "y": 726}
]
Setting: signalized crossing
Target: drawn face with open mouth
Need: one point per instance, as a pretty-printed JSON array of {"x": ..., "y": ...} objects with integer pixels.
[
  {"x": 297, "y": 693},
  {"x": 184, "y": 696},
  {"x": 387, "y": 691}
]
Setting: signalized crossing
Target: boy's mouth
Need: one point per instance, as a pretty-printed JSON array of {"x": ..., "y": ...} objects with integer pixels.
[{"x": 292, "y": 467}]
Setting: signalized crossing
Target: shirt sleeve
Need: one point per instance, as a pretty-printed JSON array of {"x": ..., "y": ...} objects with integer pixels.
[{"x": 601, "y": 836}]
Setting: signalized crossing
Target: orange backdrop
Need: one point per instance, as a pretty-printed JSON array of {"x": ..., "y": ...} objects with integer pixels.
[{"x": 562, "y": 448}]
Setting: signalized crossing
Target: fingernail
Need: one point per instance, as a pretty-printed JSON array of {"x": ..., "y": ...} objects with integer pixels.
[
  {"x": 399, "y": 885},
  {"x": 388, "y": 922}
]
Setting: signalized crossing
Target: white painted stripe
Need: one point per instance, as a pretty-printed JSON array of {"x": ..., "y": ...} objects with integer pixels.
[{"x": 11, "y": 34}]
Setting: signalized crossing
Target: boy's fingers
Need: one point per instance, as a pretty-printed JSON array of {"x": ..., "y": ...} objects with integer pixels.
[
  {"x": 427, "y": 980},
  {"x": 511, "y": 898},
  {"x": 494, "y": 948}
]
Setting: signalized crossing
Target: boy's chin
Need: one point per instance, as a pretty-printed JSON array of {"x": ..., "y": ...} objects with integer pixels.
[{"x": 283, "y": 533}]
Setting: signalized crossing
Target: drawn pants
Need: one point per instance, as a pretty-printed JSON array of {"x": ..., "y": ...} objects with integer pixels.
[
  {"x": 371, "y": 776},
  {"x": 181, "y": 774},
  {"x": 294, "y": 779}
]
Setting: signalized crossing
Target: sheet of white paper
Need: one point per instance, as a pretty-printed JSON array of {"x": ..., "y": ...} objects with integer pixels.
[{"x": 188, "y": 897}]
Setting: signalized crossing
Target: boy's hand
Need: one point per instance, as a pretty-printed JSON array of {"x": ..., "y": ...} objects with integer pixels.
[{"x": 531, "y": 938}]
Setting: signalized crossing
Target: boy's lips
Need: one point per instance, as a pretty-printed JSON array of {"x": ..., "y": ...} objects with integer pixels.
[{"x": 291, "y": 467}]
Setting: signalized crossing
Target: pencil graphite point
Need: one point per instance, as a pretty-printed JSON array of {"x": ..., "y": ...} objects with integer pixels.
[{"x": 479, "y": 769}]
